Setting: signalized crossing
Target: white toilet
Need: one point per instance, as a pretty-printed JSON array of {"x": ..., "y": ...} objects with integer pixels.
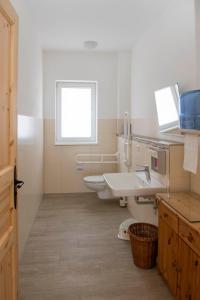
[{"x": 98, "y": 184}]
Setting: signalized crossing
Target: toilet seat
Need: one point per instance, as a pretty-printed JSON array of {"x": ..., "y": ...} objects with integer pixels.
[
  {"x": 98, "y": 184},
  {"x": 94, "y": 179}
]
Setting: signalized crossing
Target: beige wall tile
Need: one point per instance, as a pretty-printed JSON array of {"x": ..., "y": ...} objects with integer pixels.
[
  {"x": 60, "y": 171},
  {"x": 120, "y": 127},
  {"x": 195, "y": 179},
  {"x": 107, "y": 126},
  {"x": 179, "y": 178},
  {"x": 179, "y": 183}
]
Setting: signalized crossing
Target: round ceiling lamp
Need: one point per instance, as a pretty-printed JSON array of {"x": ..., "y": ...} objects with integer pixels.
[{"x": 90, "y": 45}]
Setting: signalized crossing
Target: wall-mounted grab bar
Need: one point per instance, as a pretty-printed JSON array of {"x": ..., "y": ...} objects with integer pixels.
[
  {"x": 144, "y": 200},
  {"x": 97, "y": 158}
]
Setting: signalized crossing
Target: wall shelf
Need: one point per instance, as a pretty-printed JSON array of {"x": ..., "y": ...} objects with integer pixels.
[{"x": 189, "y": 131}]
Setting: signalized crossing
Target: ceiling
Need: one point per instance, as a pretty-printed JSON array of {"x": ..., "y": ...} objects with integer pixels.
[{"x": 114, "y": 24}]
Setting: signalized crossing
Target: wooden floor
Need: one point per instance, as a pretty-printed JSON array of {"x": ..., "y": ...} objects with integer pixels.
[{"x": 73, "y": 253}]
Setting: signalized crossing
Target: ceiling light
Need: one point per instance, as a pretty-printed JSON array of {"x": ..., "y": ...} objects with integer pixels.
[{"x": 90, "y": 44}]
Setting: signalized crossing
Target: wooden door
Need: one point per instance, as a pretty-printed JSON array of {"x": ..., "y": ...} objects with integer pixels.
[
  {"x": 189, "y": 273},
  {"x": 8, "y": 224},
  {"x": 168, "y": 254}
]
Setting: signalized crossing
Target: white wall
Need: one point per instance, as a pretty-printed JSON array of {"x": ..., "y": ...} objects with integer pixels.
[
  {"x": 123, "y": 88},
  {"x": 197, "y": 13},
  {"x": 169, "y": 52},
  {"x": 166, "y": 54},
  {"x": 124, "y": 82},
  {"x": 101, "y": 67},
  {"x": 30, "y": 122}
]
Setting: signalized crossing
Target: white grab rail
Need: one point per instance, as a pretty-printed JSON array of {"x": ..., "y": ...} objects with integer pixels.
[
  {"x": 97, "y": 158},
  {"x": 127, "y": 140}
]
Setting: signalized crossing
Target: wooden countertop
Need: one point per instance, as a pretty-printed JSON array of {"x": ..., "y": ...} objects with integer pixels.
[{"x": 187, "y": 204}]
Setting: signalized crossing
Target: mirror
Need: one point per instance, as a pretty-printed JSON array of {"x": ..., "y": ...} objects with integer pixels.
[{"x": 167, "y": 105}]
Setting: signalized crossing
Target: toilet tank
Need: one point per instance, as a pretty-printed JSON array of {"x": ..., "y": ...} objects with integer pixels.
[{"x": 158, "y": 160}]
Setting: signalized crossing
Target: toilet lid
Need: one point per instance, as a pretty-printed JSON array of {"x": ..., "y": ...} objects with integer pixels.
[{"x": 95, "y": 179}]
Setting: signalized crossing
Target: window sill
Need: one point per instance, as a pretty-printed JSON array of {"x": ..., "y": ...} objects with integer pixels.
[{"x": 76, "y": 144}]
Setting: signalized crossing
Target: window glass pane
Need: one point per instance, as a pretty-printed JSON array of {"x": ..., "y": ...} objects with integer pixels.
[
  {"x": 166, "y": 107},
  {"x": 76, "y": 112}
]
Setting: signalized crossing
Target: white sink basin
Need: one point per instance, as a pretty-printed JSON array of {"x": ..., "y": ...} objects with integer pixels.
[{"x": 133, "y": 184}]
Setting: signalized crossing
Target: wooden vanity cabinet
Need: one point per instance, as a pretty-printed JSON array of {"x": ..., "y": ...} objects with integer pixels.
[
  {"x": 168, "y": 246},
  {"x": 178, "y": 254},
  {"x": 188, "y": 273}
]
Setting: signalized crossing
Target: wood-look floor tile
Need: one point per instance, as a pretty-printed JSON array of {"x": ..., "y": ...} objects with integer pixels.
[{"x": 73, "y": 253}]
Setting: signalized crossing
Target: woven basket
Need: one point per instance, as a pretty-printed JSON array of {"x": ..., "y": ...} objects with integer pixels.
[{"x": 144, "y": 244}]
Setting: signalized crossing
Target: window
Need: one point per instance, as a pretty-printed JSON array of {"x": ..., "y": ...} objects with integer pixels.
[
  {"x": 76, "y": 110},
  {"x": 167, "y": 102}
]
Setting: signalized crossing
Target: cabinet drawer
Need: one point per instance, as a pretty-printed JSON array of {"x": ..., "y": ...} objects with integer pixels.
[
  {"x": 190, "y": 236},
  {"x": 168, "y": 216}
]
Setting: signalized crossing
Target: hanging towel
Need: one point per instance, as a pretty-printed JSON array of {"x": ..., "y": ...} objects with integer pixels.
[{"x": 191, "y": 153}]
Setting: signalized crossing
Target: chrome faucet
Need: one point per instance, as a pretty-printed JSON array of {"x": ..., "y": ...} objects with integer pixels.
[{"x": 146, "y": 170}]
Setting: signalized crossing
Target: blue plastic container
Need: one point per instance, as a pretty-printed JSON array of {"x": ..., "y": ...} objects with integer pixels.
[{"x": 190, "y": 110}]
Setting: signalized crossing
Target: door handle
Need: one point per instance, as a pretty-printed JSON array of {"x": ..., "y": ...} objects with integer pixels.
[{"x": 17, "y": 185}]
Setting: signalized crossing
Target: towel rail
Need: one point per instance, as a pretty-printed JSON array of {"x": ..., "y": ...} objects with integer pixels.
[{"x": 98, "y": 158}]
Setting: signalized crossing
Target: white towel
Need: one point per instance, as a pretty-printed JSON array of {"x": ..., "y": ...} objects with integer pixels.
[{"x": 191, "y": 153}]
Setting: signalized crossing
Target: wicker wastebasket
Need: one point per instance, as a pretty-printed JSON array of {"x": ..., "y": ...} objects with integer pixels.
[{"x": 144, "y": 244}]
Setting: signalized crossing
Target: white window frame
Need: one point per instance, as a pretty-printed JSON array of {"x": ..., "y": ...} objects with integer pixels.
[{"x": 59, "y": 140}]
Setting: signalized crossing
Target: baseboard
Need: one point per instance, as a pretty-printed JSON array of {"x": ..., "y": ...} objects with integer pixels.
[{"x": 61, "y": 195}]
